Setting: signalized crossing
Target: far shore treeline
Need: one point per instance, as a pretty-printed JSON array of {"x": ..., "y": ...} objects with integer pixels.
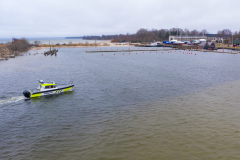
[{"x": 145, "y": 35}]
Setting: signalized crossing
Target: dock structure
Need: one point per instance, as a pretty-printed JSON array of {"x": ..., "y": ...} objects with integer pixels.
[
  {"x": 168, "y": 49},
  {"x": 51, "y": 52},
  {"x": 132, "y": 50}
]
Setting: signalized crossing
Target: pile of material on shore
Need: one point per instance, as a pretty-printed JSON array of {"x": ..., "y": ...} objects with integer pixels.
[
  {"x": 14, "y": 48},
  {"x": 6, "y": 53}
]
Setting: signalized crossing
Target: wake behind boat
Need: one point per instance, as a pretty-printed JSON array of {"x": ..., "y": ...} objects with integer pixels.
[{"x": 48, "y": 89}]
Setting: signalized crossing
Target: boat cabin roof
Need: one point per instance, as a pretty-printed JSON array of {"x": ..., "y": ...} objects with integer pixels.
[{"x": 47, "y": 84}]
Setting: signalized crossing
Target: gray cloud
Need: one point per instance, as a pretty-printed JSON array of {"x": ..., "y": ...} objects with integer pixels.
[{"x": 45, "y": 18}]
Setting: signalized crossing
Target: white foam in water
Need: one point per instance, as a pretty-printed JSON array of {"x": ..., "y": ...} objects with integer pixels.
[{"x": 13, "y": 99}]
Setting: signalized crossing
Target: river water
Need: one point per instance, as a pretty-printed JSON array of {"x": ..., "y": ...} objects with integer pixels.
[{"x": 164, "y": 105}]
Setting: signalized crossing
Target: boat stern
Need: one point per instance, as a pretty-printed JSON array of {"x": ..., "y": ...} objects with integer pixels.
[{"x": 27, "y": 94}]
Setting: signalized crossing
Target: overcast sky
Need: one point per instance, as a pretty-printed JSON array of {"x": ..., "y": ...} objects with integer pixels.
[{"x": 60, "y": 18}]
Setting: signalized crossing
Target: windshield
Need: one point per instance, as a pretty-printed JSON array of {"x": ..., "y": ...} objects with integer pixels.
[{"x": 39, "y": 87}]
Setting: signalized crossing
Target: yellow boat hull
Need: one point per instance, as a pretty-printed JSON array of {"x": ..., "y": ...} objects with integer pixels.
[{"x": 50, "y": 92}]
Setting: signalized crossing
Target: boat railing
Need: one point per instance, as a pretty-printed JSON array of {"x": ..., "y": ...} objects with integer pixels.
[
  {"x": 70, "y": 83},
  {"x": 65, "y": 85}
]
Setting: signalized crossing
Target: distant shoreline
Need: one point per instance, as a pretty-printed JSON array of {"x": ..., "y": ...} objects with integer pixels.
[
  {"x": 73, "y": 37},
  {"x": 75, "y": 46}
]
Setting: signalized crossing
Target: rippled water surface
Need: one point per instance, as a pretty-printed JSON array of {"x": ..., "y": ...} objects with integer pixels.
[{"x": 164, "y": 105}]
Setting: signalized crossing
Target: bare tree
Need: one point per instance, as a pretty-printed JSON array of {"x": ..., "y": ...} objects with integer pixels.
[
  {"x": 203, "y": 32},
  {"x": 194, "y": 32},
  {"x": 186, "y": 31},
  {"x": 19, "y": 45},
  {"x": 227, "y": 32},
  {"x": 37, "y": 43},
  {"x": 236, "y": 36}
]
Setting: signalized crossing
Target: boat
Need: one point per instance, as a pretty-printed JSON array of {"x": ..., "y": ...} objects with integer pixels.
[
  {"x": 202, "y": 40},
  {"x": 173, "y": 41},
  {"x": 155, "y": 44},
  {"x": 167, "y": 42},
  {"x": 179, "y": 42},
  {"x": 196, "y": 42},
  {"x": 48, "y": 89}
]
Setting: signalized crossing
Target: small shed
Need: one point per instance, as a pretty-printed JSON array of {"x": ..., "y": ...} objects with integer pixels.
[
  {"x": 211, "y": 45},
  {"x": 202, "y": 45},
  {"x": 236, "y": 43},
  {"x": 207, "y": 45}
]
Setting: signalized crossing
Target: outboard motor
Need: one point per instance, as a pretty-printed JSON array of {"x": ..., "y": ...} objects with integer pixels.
[{"x": 27, "y": 94}]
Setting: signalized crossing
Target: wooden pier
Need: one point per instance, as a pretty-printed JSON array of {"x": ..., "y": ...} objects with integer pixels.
[
  {"x": 162, "y": 50},
  {"x": 132, "y": 50}
]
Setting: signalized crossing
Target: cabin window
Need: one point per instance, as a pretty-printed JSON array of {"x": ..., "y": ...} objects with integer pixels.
[{"x": 50, "y": 87}]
